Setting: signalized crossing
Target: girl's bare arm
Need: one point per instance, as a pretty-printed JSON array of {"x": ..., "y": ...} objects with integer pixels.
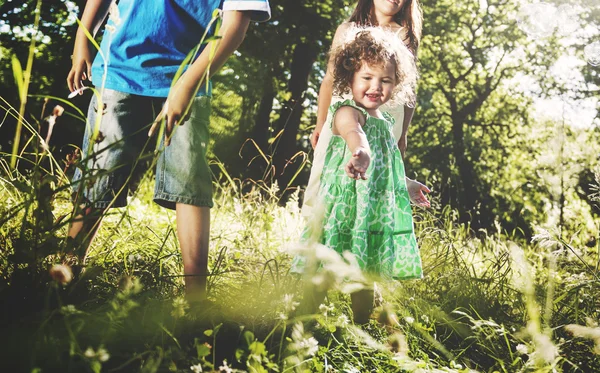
[
  {"x": 348, "y": 124},
  {"x": 326, "y": 89}
]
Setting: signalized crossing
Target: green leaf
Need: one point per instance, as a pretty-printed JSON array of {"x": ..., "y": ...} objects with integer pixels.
[
  {"x": 18, "y": 75},
  {"x": 96, "y": 366},
  {"x": 239, "y": 353},
  {"x": 152, "y": 364},
  {"x": 258, "y": 348},
  {"x": 248, "y": 337},
  {"x": 202, "y": 350}
]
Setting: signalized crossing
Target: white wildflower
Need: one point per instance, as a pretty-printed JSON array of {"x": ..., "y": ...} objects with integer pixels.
[
  {"x": 343, "y": 320},
  {"x": 311, "y": 345},
  {"x": 303, "y": 344},
  {"x": 325, "y": 309},
  {"x": 288, "y": 303},
  {"x": 196, "y": 368},
  {"x": 89, "y": 353},
  {"x": 225, "y": 368},
  {"x": 522, "y": 349},
  {"x": 101, "y": 355},
  {"x": 350, "y": 369},
  {"x": 455, "y": 365},
  {"x": 409, "y": 319}
]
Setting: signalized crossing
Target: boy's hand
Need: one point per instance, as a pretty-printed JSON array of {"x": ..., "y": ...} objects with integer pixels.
[
  {"x": 82, "y": 66},
  {"x": 416, "y": 192},
  {"x": 176, "y": 108},
  {"x": 358, "y": 164}
]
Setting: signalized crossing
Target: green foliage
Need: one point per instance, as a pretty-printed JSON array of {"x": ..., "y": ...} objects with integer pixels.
[
  {"x": 491, "y": 302},
  {"x": 480, "y": 306}
]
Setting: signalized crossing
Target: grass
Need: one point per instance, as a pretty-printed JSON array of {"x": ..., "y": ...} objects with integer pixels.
[{"x": 487, "y": 303}]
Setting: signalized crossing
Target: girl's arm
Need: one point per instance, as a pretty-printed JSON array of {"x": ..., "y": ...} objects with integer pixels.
[
  {"x": 416, "y": 192},
  {"x": 232, "y": 32},
  {"x": 348, "y": 123},
  {"x": 408, "y": 115},
  {"x": 93, "y": 15},
  {"x": 326, "y": 89}
]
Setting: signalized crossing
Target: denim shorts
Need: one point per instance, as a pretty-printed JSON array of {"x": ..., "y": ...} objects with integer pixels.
[{"x": 122, "y": 152}]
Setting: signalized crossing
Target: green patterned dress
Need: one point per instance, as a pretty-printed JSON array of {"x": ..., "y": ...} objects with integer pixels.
[{"x": 370, "y": 218}]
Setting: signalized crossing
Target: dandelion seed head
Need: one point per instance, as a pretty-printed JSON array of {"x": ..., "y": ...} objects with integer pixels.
[
  {"x": 398, "y": 344},
  {"x": 545, "y": 350},
  {"x": 180, "y": 307}
]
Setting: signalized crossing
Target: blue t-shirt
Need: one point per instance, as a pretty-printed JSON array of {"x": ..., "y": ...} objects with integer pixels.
[{"x": 148, "y": 40}]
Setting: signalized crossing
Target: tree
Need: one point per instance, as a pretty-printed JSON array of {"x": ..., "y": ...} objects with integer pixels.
[
  {"x": 468, "y": 108},
  {"x": 295, "y": 42},
  {"x": 53, "y": 38}
]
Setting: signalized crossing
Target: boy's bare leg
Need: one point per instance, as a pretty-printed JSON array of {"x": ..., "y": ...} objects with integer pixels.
[
  {"x": 193, "y": 231},
  {"x": 83, "y": 229}
]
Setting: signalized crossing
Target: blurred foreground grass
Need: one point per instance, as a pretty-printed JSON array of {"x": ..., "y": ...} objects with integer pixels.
[{"x": 488, "y": 303}]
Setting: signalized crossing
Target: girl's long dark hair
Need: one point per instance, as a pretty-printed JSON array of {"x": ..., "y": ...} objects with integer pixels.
[{"x": 410, "y": 16}]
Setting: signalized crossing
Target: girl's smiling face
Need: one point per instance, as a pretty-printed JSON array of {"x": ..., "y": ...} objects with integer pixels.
[
  {"x": 372, "y": 86},
  {"x": 388, "y": 7}
]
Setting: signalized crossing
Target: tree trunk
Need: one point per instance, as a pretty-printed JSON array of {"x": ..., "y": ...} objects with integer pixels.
[
  {"x": 291, "y": 113},
  {"x": 263, "y": 116},
  {"x": 470, "y": 204}
]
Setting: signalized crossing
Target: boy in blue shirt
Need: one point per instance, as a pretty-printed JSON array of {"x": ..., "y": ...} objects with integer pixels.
[{"x": 144, "y": 44}]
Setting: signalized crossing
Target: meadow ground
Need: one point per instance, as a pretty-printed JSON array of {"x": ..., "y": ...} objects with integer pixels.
[{"x": 489, "y": 302}]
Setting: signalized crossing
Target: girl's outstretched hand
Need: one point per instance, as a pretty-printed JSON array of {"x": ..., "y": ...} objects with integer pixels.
[
  {"x": 358, "y": 164},
  {"x": 416, "y": 192}
]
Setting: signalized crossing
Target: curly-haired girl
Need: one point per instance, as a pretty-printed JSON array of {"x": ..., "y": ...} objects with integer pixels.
[
  {"x": 404, "y": 19},
  {"x": 366, "y": 206}
]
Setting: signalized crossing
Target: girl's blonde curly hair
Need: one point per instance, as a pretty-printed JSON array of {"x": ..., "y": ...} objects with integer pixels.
[{"x": 375, "y": 47}]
